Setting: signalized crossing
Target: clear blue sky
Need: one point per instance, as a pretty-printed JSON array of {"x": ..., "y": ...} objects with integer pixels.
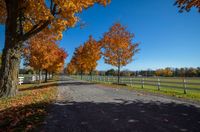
[{"x": 167, "y": 38}]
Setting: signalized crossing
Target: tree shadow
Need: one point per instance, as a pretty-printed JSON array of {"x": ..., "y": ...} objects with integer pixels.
[
  {"x": 119, "y": 116},
  {"x": 23, "y": 118},
  {"x": 122, "y": 116}
]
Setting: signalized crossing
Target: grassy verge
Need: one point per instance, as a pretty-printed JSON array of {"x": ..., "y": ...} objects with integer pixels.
[
  {"x": 191, "y": 95},
  {"x": 27, "y": 110}
]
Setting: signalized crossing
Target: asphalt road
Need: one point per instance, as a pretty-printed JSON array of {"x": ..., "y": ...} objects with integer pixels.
[{"x": 86, "y": 107}]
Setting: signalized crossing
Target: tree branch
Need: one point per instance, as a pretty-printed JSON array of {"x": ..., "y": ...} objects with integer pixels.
[{"x": 36, "y": 29}]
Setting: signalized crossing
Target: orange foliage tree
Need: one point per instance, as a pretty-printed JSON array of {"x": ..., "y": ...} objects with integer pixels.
[
  {"x": 78, "y": 60},
  {"x": 188, "y": 4},
  {"x": 70, "y": 69},
  {"x": 85, "y": 57},
  {"x": 167, "y": 72},
  {"x": 25, "y": 18},
  {"x": 91, "y": 53},
  {"x": 118, "y": 47},
  {"x": 42, "y": 53}
]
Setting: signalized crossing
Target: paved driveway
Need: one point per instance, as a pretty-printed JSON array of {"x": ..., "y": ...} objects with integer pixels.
[{"x": 85, "y": 107}]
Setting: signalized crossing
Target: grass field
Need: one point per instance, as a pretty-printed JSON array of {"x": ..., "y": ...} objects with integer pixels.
[{"x": 172, "y": 86}]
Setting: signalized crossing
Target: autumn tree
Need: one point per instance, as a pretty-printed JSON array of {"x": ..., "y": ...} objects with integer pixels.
[
  {"x": 78, "y": 60},
  {"x": 43, "y": 54},
  {"x": 187, "y": 4},
  {"x": 85, "y": 57},
  {"x": 25, "y": 18},
  {"x": 167, "y": 72},
  {"x": 118, "y": 47},
  {"x": 91, "y": 54},
  {"x": 70, "y": 69},
  {"x": 57, "y": 64}
]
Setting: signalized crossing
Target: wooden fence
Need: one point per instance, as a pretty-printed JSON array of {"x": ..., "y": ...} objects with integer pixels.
[{"x": 184, "y": 84}]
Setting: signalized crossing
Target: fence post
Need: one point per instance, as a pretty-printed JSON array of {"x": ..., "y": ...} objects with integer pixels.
[
  {"x": 142, "y": 81},
  {"x": 158, "y": 84},
  {"x": 132, "y": 82},
  {"x": 184, "y": 86}
]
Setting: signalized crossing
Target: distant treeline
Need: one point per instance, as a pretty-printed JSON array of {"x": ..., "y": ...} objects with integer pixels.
[{"x": 167, "y": 72}]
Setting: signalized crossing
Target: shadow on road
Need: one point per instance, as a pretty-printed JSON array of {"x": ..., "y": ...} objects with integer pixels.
[{"x": 126, "y": 116}]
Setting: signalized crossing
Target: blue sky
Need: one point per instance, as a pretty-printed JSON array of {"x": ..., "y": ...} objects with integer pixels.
[{"x": 167, "y": 38}]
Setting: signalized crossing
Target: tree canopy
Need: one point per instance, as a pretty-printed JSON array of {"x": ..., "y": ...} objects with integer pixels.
[
  {"x": 42, "y": 53},
  {"x": 53, "y": 15},
  {"x": 118, "y": 46},
  {"x": 188, "y": 4}
]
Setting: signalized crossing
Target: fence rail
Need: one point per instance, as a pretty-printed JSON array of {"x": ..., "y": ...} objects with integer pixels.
[{"x": 184, "y": 84}]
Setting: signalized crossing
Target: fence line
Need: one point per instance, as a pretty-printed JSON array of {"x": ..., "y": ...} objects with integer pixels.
[{"x": 158, "y": 83}]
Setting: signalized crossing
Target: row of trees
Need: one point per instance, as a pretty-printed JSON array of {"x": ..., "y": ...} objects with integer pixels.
[
  {"x": 167, "y": 72},
  {"x": 117, "y": 49},
  {"x": 179, "y": 72},
  {"x": 24, "y": 19}
]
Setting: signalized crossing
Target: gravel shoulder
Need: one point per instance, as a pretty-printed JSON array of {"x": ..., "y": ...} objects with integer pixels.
[{"x": 86, "y": 107}]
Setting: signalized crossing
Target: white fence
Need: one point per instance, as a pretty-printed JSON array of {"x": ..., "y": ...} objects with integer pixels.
[
  {"x": 31, "y": 78},
  {"x": 192, "y": 84}
]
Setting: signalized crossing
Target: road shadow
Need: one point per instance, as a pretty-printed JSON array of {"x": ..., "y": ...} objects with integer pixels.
[
  {"x": 23, "y": 117},
  {"x": 125, "y": 116}
]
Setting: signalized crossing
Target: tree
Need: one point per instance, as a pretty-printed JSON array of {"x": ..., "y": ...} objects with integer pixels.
[
  {"x": 118, "y": 47},
  {"x": 110, "y": 72},
  {"x": 70, "y": 69},
  {"x": 0, "y": 60},
  {"x": 25, "y": 18},
  {"x": 91, "y": 54},
  {"x": 187, "y": 4},
  {"x": 198, "y": 71},
  {"x": 57, "y": 64},
  {"x": 191, "y": 72},
  {"x": 167, "y": 72},
  {"x": 42, "y": 53},
  {"x": 78, "y": 60}
]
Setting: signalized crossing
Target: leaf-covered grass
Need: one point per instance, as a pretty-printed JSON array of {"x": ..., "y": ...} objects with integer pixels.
[{"x": 27, "y": 110}]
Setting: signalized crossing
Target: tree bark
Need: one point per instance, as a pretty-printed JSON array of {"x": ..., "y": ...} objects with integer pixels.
[
  {"x": 11, "y": 52},
  {"x": 91, "y": 75},
  {"x": 118, "y": 75},
  {"x": 39, "y": 72},
  {"x": 46, "y": 75},
  {"x": 81, "y": 75}
]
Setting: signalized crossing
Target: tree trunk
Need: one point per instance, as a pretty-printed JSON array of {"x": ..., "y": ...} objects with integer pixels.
[
  {"x": 46, "y": 74},
  {"x": 39, "y": 73},
  {"x": 91, "y": 75},
  {"x": 52, "y": 75},
  {"x": 11, "y": 52},
  {"x": 118, "y": 75},
  {"x": 81, "y": 75}
]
